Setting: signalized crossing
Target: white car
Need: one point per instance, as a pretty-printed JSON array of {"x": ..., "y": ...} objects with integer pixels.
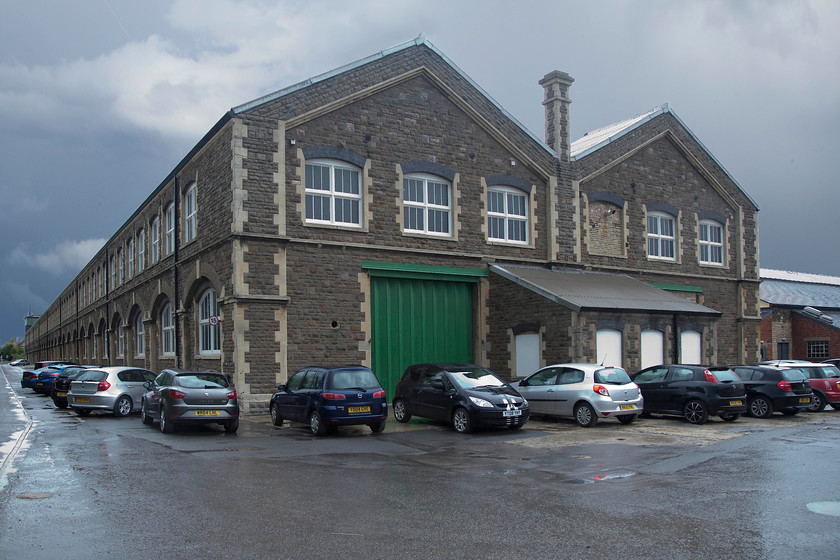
[{"x": 584, "y": 392}]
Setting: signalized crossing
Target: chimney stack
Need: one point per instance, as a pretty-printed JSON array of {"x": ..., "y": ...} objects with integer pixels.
[{"x": 556, "y": 85}]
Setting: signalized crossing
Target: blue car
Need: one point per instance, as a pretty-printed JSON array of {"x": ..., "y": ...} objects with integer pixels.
[
  {"x": 326, "y": 398},
  {"x": 30, "y": 376},
  {"x": 46, "y": 377}
]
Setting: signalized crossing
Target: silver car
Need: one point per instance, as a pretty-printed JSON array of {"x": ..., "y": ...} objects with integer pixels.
[
  {"x": 584, "y": 392},
  {"x": 116, "y": 389}
]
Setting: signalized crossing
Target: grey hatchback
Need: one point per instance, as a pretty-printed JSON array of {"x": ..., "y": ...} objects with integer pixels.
[{"x": 193, "y": 397}]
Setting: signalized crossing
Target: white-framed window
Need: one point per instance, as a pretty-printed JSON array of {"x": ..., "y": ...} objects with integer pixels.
[
  {"x": 208, "y": 323},
  {"x": 167, "y": 330},
  {"x": 120, "y": 342},
  {"x": 661, "y": 237},
  {"x": 140, "y": 334},
  {"x": 711, "y": 242},
  {"x": 84, "y": 294},
  {"x": 427, "y": 205},
  {"x": 170, "y": 228},
  {"x": 99, "y": 282},
  {"x": 120, "y": 267},
  {"x": 141, "y": 250},
  {"x": 817, "y": 349},
  {"x": 154, "y": 228},
  {"x": 333, "y": 193},
  {"x": 130, "y": 250},
  {"x": 190, "y": 214},
  {"x": 507, "y": 215}
]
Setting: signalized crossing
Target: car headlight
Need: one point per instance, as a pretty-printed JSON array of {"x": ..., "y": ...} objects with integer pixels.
[{"x": 481, "y": 402}]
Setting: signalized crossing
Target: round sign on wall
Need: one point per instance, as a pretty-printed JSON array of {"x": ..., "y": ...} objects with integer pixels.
[{"x": 214, "y": 320}]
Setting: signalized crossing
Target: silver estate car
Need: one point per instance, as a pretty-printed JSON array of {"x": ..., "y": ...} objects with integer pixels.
[
  {"x": 584, "y": 392},
  {"x": 115, "y": 389}
]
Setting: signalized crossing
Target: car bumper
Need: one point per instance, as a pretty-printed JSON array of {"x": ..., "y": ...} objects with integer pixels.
[
  {"x": 103, "y": 402},
  {"x": 792, "y": 402},
  {"x": 199, "y": 414},
  {"x": 334, "y": 416},
  {"x": 495, "y": 418},
  {"x": 728, "y": 405},
  {"x": 606, "y": 407}
]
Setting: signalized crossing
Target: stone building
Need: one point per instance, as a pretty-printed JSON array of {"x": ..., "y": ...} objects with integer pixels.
[{"x": 390, "y": 212}]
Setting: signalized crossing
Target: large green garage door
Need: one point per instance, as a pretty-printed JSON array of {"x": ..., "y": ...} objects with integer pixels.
[{"x": 419, "y": 314}]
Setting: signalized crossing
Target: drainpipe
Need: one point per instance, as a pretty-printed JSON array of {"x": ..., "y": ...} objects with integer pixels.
[
  {"x": 676, "y": 341},
  {"x": 175, "y": 272}
]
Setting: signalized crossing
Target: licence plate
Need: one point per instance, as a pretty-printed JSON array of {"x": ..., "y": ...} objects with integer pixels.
[
  {"x": 61, "y": 394},
  {"x": 82, "y": 399},
  {"x": 357, "y": 409},
  {"x": 628, "y": 407},
  {"x": 39, "y": 384},
  {"x": 511, "y": 413},
  {"x": 804, "y": 399},
  {"x": 736, "y": 403},
  {"x": 206, "y": 412}
]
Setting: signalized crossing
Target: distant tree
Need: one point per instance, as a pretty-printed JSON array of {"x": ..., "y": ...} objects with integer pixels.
[{"x": 12, "y": 351}]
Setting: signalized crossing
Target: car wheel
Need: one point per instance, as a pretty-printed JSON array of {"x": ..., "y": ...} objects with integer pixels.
[
  {"x": 82, "y": 411},
  {"x": 729, "y": 417},
  {"x": 276, "y": 419},
  {"x": 585, "y": 415},
  {"x": 461, "y": 421},
  {"x": 166, "y": 425},
  {"x": 378, "y": 428},
  {"x": 760, "y": 407},
  {"x": 695, "y": 412},
  {"x": 145, "y": 417},
  {"x": 123, "y": 406},
  {"x": 626, "y": 418},
  {"x": 401, "y": 412},
  {"x": 316, "y": 424},
  {"x": 789, "y": 412},
  {"x": 231, "y": 426},
  {"x": 61, "y": 404},
  {"x": 817, "y": 404}
]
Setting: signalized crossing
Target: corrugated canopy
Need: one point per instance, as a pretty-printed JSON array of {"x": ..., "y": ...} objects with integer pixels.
[{"x": 593, "y": 291}]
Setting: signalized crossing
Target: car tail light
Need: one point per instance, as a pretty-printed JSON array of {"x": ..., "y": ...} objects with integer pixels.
[
  {"x": 176, "y": 394},
  {"x": 334, "y": 396},
  {"x": 54, "y": 374},
  {"x": 710, "y": 377},
  {"x": 784, "y": 385},
  {"x": 379, "y": 395},
  {"x": 601, "y": 390},
  {"x": 232, "y": 395},
  {"x": 103, "y": 386}
]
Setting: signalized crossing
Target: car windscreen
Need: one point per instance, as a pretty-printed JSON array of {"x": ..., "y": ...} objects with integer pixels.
[
  {"x": 352, "y": 379},
  {"x": 725, "y": 375},
  {"x": 475, "y": 377},
  {"x": 793, "y": 375},
  {"x": 201, "y": 380},
  {"x": 611, "y": 376},
  {"x": 830, "y": 371},
  {"x": 93, "y": 375}
]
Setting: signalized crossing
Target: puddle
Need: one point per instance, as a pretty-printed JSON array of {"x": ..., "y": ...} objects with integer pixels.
[{"x": 825, "y": 508}]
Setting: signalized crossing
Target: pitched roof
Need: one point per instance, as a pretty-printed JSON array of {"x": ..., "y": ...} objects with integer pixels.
[
  {"x": 593, "y": 291},
  {"x": 796, "y": 289}
]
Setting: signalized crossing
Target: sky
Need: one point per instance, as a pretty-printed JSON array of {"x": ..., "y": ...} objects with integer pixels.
[{"x": 100, "y": 99}]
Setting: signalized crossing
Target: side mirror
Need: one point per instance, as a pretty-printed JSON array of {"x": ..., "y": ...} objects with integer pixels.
[
  {"x": 281, "y": 387},
  {"x": 524, "y": 383},
  {"x": 437, "y": 385},
  {"x": 148, "y": 385}
]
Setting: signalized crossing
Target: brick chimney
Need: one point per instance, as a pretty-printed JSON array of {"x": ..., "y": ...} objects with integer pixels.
[{"x": 556, "y": 85}]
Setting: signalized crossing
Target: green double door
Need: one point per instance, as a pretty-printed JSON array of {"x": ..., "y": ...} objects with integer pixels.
[{"x": 419, "y": 320}]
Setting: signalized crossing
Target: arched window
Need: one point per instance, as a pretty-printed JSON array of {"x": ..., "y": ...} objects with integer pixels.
[
  {"x": 120, "y": 341},
  {"x": 141, "y": 250},
  {"x": 140, "y": 331},
  {"x": 690, "y": 347},
  {"x": 427, "y": 204},
  {"x": 653, "y": 348},
  {"x": 170, "y": 229},
  {"x": 208, "y": 323},
  {"x": 333, "y": 193},
  {"x": 608, "y": 347},
  {"x": 131, "y": 258},
  {"x": 154, "y": 228},
  {"x": 120, "y": 267},
  {"x": 190, "y": 212},
  {"x": 167, "y": 330}
]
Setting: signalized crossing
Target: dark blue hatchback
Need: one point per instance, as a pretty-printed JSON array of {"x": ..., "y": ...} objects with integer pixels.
[{"x": 326, "y": 398}]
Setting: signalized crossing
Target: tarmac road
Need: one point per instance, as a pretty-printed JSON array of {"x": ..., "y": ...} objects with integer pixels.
[{"x": 101, "y": 486}]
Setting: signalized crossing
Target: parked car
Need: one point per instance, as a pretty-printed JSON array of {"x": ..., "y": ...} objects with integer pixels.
[
  {"x": 61, "y": 384},
  {"x": 190, "y": 397},
  {"x": 824, "y": 379},
  {"x": 117, "y": 389},
  {"x": 45, "y": 363},
  {"x": 19, "y": 362},
  {"x": 771, "y": 389},
  {"x": 326, "y": 398},
  {"x": 693, "y": 392},
  {"x": 30, "y": 376},
  {"x": 584, "y": 392},
  {"x": 832, "y": 361},
  {"x": 467, "y": 395}
]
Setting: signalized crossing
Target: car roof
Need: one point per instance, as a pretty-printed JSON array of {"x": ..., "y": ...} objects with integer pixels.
[{"x": 581, "y": 365}]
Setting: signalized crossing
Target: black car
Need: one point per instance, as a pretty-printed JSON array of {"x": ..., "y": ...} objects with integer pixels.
[
  {"x": 61, "y": 384},
  {"x": 693, "y": 392},
  {"x": 466, "y": 395},
  {"x": 190, "y": 397},
  {"x": 771, "y": 389},
  {"x": 326, "y": 398}
]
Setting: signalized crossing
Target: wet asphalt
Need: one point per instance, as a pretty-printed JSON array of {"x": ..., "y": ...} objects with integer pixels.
[{"x": 106, "y": 487}]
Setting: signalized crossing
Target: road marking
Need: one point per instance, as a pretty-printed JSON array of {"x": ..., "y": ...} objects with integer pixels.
[{"x": 19, "y": 440}]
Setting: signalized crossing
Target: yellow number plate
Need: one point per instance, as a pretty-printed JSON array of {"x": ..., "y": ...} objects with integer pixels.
[
  {"x": 358, "y": 409},
  {"x": 206, "y": 412},
  {"x": 61, "y": 394},
  {"x": 82, "y": 399},
  {"x": 804, "y": 399},
  {"x": 628, "y": 407},
  {"x": 736, "y": 403}
]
